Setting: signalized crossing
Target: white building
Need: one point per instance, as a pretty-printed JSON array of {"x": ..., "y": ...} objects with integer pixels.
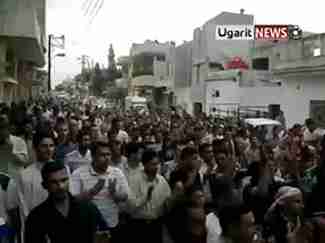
[
  {"x": 288, "y": 75},
  {"x": 207, "y": 55}
]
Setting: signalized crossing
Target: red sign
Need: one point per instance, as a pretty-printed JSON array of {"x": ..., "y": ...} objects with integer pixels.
[
  {"x": 271, "y": 32},
  {"x": 236, "y": 63}
]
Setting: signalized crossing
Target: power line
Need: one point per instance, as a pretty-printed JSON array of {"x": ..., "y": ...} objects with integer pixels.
[
  {"x": 84, "y": 4},
  {"x": 98, "y": 9},
  {"x": 88, "y": 7},
  {"x": 94, "y": 9}
]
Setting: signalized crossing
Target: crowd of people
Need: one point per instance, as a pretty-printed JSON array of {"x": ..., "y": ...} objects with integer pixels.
[{"x": 71, "y": 172}]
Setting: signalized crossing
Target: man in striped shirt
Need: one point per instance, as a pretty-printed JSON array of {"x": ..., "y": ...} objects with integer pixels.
[{"x": 103, "y": 184}]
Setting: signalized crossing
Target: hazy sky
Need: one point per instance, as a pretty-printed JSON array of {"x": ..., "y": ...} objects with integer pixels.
[{"x": 123, "y": 22}]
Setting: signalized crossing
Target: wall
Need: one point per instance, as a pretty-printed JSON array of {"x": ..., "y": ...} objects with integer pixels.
[
  {"x": 183, "y": 98},
  {"x": 229, "y": 98},
  {"x": 294, "y": 96},
  {"x": 297, "y": 101},
  {"x": 183, "y": 66},
  {"x": 207, "y": 49}
]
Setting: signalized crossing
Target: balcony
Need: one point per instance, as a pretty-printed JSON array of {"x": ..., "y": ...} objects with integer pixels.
[
  {"x": 142, "y": 65},
  {"x": 21, "y": 27}
]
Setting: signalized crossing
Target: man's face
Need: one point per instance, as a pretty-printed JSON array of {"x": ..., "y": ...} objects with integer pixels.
[
  {"x": 247, "y": 227},
  {"x": 222, "y": 160},
  {"x": 45, "y": 150},
  {"x": 57, "y": 185},
  {"x": 86, "y": 141},
  {"x": 296, "y": 204},
  {"x": 207, "y": 154},
  {"x": 152, "y": 167},
  {"x": 228, "y": 135},
  {"x": 103, "y": 158},
  {"x": 74, "y": 126},
  {"x": 193, "y": 162},
  {"x": 95, "y": 133},
  {"x": 63, "y": 131}
]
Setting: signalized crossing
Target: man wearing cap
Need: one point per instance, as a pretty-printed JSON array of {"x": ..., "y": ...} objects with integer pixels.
[{"x": 13, "y": 150}]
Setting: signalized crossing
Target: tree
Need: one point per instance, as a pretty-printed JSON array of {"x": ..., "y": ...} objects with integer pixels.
[
  {"x": 112, "y": 71},
  {"x": 98, "y": 83}
]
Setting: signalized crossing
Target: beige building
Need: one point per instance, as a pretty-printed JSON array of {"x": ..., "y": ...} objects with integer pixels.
[
  {"x": 151, "y": 71},
  {"x": 22, "y": 46}
]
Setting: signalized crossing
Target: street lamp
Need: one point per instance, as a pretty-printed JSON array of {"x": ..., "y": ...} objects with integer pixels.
[{"x": 50, "y": 44}]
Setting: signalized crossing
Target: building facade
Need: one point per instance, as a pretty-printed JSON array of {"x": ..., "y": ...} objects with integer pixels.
[
  {"x": 288, "y": 75},
  {"x": 22, "y": 46},
  {"x": 151, "y": 71},
  {"x": 209, "y": 55}
]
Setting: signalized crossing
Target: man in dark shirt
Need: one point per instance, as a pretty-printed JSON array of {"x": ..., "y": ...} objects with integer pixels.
[{"x": 62, "y": 218}]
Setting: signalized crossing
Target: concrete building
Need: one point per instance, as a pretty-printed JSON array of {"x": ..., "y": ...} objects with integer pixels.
[
  {"x": 209, "y": 54},
  {"x": 288, "y": 75},
  {"x": 151, "y": 71},
  {"x": 22, "y": 46},
  {"x": 183, "y": 75}
]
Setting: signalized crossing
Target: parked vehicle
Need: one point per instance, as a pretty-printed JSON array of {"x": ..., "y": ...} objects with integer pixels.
[{"x": 136, "y": 103}]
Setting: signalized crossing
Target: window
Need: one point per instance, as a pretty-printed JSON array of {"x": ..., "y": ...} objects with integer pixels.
[
  {"x": 261, "y": 63},
  {"x": 215, "y": 65},
  {"x": 317, "y": 52}
]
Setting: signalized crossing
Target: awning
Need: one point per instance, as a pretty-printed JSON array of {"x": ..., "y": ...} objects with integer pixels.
[
  {"x": 145, "y": 81},
  {"x": 8, "y": 80},
  {"x": 21, "y": 27}
]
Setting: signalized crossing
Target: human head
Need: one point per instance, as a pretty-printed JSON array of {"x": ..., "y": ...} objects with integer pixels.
[
  {"x": 63, "y": 130},
  {"x": 190, "y": 158},
  {"x": 237, "y": 222},
  {"x": 206, "y": 152},
  {"x": 55, "y": 180},
  {"x": 74, "y": 126},
  {"x": 290, "y": 200},
  {"x": 310, "y": 124},
  {"x": 196, "y": 197},
  {"x": 101, "y": 153},
  {"x": 133, "y": 152},
  {"x": 44, "y": 145},
  {"x": 84, "y": 138},
  {"x": 95, "y": 133},
  {"x": 116, "y": 147},
  {"x": 150, "y": 161},
  {"x": 117, "y": 124}
]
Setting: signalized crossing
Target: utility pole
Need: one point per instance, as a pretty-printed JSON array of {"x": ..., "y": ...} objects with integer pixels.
[
  {"x": 50, "y": 45},
  {"x": 49, "y": 63}
]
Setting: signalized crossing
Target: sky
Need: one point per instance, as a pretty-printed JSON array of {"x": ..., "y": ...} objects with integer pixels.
[{"x": 123, "y": 22}]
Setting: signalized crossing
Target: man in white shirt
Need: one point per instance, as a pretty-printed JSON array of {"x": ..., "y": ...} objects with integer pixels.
[
  {"x": 103, "y": 184},
  {"x": 312, "y": 134},
  {"x": 26, "y": 192},
  {"x": 122, "y": 135},
  {"x": 82, "y": 155},
  {"x": 13, "y": 150},
  {"x": 150, "y": 193}
]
